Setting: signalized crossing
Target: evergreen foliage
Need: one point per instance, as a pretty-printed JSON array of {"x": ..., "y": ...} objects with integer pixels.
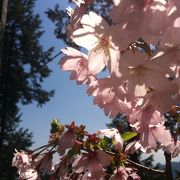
[{"x": 24, "y": 68}]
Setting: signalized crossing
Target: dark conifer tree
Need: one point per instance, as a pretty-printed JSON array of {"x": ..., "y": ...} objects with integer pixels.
[{"x": 24, "y": 68}]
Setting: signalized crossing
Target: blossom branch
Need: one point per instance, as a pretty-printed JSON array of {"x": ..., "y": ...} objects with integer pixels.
[
  {"x": 43, "y": 147},
  {"x": 137, "y": 165}
]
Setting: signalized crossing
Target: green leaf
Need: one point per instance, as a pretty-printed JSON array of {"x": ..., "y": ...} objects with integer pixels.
[
  {"x": 128, "y": 135},
  {"x": 56, "y": 127},
  {"x": 105, "y": 142}
]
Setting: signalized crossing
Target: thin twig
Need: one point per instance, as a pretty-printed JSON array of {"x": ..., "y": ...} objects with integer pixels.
[
  {"x": 52, "y": 58},
  {"x": 45, "y": 146},
  {"x": 140, "y": 166},
  {"x": 49, "y": 60}
]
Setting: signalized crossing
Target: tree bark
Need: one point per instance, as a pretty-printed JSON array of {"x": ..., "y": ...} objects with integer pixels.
[
  {"x": 2, "y": 28},
  {"x": 4, "y": 6}
]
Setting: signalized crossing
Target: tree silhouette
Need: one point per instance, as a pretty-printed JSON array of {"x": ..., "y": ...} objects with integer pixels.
[{"x": 23, "y": 69}]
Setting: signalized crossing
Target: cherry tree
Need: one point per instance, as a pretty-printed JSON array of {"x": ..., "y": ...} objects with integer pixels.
[{"x": 139, "y": 47}]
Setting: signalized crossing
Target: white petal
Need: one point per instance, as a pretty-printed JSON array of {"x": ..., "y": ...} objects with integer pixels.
[
  {"x": 84, "y": 38},
  {"x": 96, "y": 60}
]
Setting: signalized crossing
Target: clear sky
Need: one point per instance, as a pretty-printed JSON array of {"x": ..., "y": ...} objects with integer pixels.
[{"x": 70, "y": 102}]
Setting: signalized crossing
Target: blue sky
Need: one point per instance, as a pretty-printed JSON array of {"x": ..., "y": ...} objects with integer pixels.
[{"x": 70, "y": 102}]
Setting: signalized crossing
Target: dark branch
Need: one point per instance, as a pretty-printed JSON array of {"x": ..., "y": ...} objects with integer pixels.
[
  {"x": 168, "y": 166},
  {"x": 145, "y": 168}
]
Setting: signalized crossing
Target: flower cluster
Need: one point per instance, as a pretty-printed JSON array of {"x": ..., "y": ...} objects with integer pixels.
[
  {"x": 140, "y": 49},
  {"x": 82, "y": 156},
  {"x": 22, "y": 160}
]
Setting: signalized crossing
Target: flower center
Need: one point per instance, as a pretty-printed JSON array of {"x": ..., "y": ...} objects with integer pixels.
[{"x": 104, "y": 41}]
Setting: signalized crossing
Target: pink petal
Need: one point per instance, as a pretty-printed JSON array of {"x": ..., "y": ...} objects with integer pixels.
[
  {"x": 95, "y": 168},
  {"x": 114, "y": 59},
  {"x": 103, "y": 157}
]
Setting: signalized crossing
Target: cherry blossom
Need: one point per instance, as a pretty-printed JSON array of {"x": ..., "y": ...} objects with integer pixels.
[
  {"x": 149, "y": 124},
  {"x": 151, "y": 138},
  {"x": 147, "y": 117},
  {"x": 169, "y": 94},
  {"x": 75, "y": 18},
  {"x": 94, "y": 161},
  {"x": 21, "y": 159},
  {"x": 168, "y": 59},
  {"x": 147, "y": 18},
  {"x": 46, "y": 163},
  {"x": 62, "y": 166},
  {"x": 125, "y": 174},
  {"x": 29, "y": 174},
  {"x": 133, "y": 147},
  {"x": 102, "y": 51},
  {"x": 77, "y": 63},
  {"x": 67, "y": 140},
  {"x": 109, "y": 96}
]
